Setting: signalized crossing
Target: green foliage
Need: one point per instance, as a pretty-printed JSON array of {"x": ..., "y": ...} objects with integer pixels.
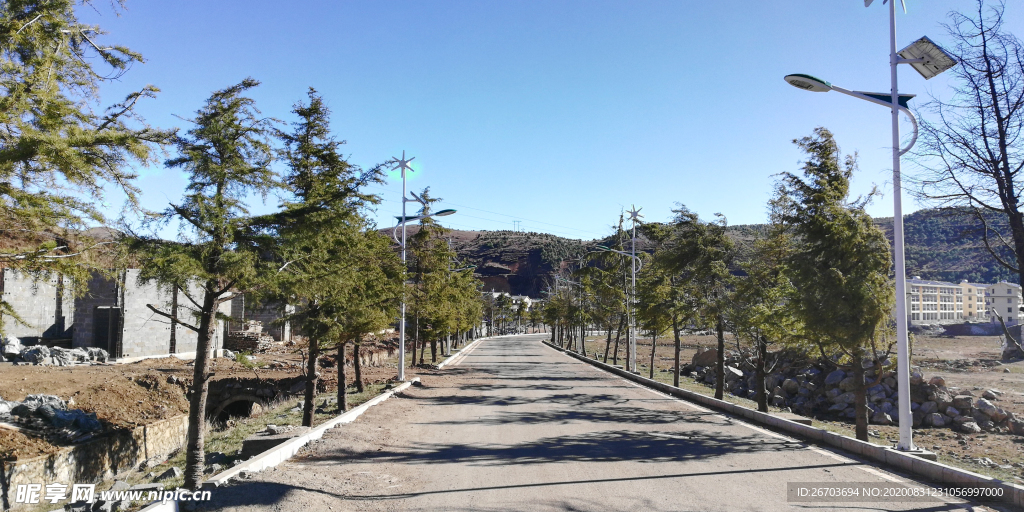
[
  {"x": 226, "y": 155},
  {"x": 60, "y": 152},
  {"x": 840, "y": 266}
]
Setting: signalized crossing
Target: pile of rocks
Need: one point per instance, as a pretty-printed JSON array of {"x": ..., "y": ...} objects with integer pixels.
[
  {"x": 11, "y": 350},
  {"x": 50, "y": 414},
  {"x": 818, "y": 389}
]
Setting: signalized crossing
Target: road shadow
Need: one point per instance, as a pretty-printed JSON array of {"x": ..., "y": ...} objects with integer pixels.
[
  {"x": 603, "y": 446},
  {"x": 570, "y": 399},
  {"x": 620, "y": 414}
]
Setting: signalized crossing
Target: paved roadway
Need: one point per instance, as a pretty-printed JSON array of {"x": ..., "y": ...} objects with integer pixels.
[{"x": 519, "y": 426}]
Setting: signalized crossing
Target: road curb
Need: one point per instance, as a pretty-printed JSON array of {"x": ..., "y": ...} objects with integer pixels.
[
  {"x": 286, "y": 450},
  {"x": 932, "y": 472},
  {"x": 459, "y": 352}
]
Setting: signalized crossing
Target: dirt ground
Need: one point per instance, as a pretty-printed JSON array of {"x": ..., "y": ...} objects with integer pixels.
[
  {"x": 967, "y": 363},
  {"x": 127, "y": 395}
]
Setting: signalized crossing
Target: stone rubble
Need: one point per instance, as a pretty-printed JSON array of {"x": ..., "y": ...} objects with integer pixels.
[
  {"x": 50, "y": 414},
  {"x": 13, "y": 351},
  {"x": 812, "y": 387}
]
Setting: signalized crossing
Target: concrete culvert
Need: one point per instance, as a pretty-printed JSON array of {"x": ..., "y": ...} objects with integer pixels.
[{"x": 241, "y": 407}]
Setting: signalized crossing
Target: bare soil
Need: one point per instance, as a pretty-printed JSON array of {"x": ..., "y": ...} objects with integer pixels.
[
  {"x": 124, "y": 396},
  {"x": 967, "y": 363}
]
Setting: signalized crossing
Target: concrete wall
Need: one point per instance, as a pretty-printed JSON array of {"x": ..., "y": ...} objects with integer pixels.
[
  {"x": 93, "y": 461},
  {"x": 46, "y": 304},
  {"x": 100, "y": 292},
  {"x": 142, "y": 332},
  {"x": 243, "y": 309}
]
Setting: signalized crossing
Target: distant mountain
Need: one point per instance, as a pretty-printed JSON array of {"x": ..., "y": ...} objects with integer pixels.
[{"x": 941, "y": 245}]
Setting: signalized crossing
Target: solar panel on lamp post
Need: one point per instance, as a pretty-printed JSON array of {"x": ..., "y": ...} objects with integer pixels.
[{"x": 929, "y": 60}]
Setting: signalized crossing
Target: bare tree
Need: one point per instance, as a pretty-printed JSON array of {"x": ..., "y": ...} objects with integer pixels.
[{"x": 971, "y": 150}]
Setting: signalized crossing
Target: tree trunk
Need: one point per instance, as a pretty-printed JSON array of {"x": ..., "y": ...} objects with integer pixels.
[
  {"x": 433, "y": 350},
  {"x": 356, "y": 345},
  {"x": 553, "y": 340},
  {"x": 860, "y": 396},
  {"x": 762, "y": 393},
  {"x": 195, "y": 461},
  {"x": 342, "y": 385},
  {"x": 608, "y": 344},
  {"x": 720, "y": 363},
  {"x": 307, "y": 400},
  {"x": 583, "y": 340},
  {"x": 618, "y": 336},
  {"x": 415, "y": 337},
  {"x": 654, "y": 346},
  {"x": 679, "y": 345}
]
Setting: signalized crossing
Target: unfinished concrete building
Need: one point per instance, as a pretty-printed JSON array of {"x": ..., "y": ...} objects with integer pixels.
[
  {"x": 113, "y": 315},
  {"x": 45, "y": 304}
]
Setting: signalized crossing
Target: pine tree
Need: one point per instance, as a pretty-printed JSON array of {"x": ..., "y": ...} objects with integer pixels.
[
  {"x": 840, "y": 265},
  {"x": 60, "y": 152},
  {"x": 227, "y": 156},
  {"x": 323, "y": 235}
]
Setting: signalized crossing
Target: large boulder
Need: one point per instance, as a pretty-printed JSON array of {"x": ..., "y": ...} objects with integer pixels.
[
  {"x": 834, "y": 378},
  {"x": 36, "y": 355},
  {"x": 1016, "y": 425},
  {"x": 970, "y": 427},
  {"x": 963, "y": 402},
  {"x": 52, "y": 401},
  {"x": 61, "y": 357},
  {"x": 991, "y": 394},
  {"x": 705, "y": 358},
  {"x": 10, "y": 347},
  {"x": 98, "y": 354},
  {"x": 732, "y": 374},
  {"x": 881, "y": 418},
  {"x": 937, "y": 381},
  {"x": 935, "y": 420},
  {"x": 846, "y": 398},
  {"x": 928, "y": 407},
  {"x": 847, "y": 384},
  {"x": 952, "y": 412},
  {"x": 986, "y": 407},
  {"x": 80, "y": 355},
  {"x": 791, "y": 386}
]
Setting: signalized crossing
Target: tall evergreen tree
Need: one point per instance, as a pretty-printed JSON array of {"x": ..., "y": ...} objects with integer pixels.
[
  {"x": 324, "y": 242},
  {"x": 61, "y": 154},
  {"x": 700, "y": 252},
  {"x": 840, "y": 265},
  {"x": 227, "y": 157}
]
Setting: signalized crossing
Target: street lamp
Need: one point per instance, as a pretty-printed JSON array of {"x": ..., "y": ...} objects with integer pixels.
[
  {"x": 403, "y": 165},
  {"x": 637, "y": 264},
  {"x": 929, "y": 60}
]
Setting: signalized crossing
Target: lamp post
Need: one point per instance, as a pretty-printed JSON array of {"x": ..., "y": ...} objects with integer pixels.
[
  {"x": 929, "y": 60},
  {"x": 403, "y": 165},
  {"x": 636, "y": 265}
]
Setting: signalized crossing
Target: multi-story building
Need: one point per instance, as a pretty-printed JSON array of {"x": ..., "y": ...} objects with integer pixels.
[
  {"x": 1005, "y": 299},
  {"x": 934, "y": 301},
  {"x": 974, "y": 301}
]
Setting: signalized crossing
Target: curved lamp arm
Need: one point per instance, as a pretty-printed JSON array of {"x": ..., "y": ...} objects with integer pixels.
[{"x": 887, "y": 104}]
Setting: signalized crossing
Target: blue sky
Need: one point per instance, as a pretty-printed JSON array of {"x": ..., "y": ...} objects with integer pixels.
[{"x": 554, "y": 113}]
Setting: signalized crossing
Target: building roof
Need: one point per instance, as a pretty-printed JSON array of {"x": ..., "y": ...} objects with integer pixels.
[{"x": 930, "y": 283}]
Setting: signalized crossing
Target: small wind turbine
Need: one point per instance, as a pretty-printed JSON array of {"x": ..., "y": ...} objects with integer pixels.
[{"x": 867, "y": 3}]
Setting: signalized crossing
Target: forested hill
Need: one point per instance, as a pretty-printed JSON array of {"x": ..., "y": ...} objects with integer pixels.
[
  {"x": 947, "y": 245},
  {"x": 941, "y": 245}
]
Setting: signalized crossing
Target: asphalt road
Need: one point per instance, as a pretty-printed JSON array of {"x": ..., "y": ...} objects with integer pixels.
[{"x": 516, "y": 425}]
